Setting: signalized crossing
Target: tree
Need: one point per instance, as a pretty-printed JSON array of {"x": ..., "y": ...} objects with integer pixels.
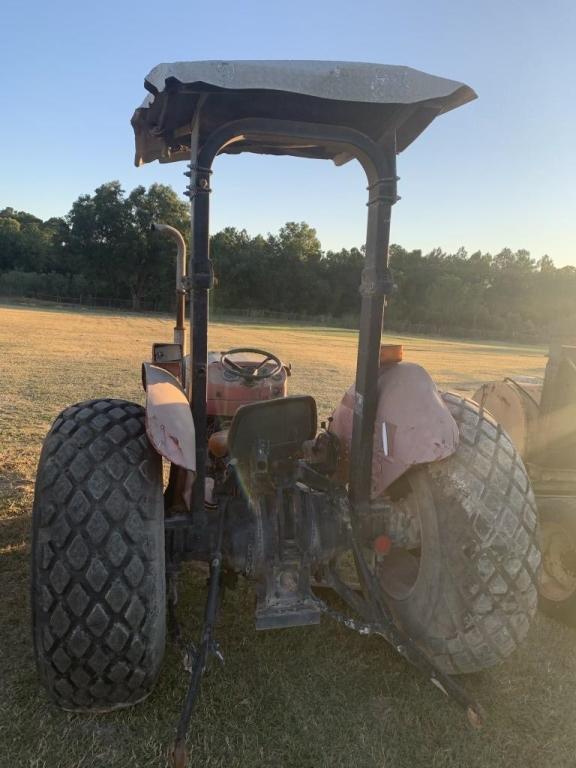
[
  {"x": 110, "y": 237},
  {"x": 343, "y": 273},
  {"x": 150, "y": 259},
  {"x": 9, "y": 241},
  {"x": 545, "y": 264},
  {"x": 104, "y": 247},
  {"x": 298, "y": 241}
]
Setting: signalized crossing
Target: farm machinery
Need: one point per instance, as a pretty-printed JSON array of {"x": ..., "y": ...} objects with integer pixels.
[
  {"x": 540, "y": 417},
  {"x": 410, "y": 506}
]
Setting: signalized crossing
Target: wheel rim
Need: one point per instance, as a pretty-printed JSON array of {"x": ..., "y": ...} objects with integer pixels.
[
  {"x": 398, "y": 571},
  {"x": 558, "y": 575}
]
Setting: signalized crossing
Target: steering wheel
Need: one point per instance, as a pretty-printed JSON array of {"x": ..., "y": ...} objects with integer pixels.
[{"x": 251, "y": 371}]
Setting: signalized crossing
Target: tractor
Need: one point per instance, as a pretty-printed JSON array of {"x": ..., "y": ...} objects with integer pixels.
[
  {"x": 406, "y": 513},
  {"x": 539, "y": 414}
]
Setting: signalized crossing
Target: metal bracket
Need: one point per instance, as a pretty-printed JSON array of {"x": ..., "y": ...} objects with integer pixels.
[
  {"x": 194, "y": 168},
  {"x": 383, "y": 191},
  {"x": 203, "y": 280},
  {"x": 201, "y": 185},
  {"x": 381, "y": 621},
  {"x": 376, "y": 283}
]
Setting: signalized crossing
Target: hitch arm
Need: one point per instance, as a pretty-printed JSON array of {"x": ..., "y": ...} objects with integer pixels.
[
  {"x": 378, "y": 619},
  {"x": 206, "y": 648}
]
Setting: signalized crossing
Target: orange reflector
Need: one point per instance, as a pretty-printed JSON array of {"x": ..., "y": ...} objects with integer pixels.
[
  {"x": 390, "y": 353},
  {"x": 218, "y": 443},
  {"x": 382, "y": 545}
]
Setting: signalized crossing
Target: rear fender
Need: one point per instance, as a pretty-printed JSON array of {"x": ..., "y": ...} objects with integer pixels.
[
  {"x": 413, "y": 425},
  {"x": 169, "y": 422}
]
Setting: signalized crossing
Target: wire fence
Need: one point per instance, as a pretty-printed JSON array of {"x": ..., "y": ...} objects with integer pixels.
[
  {"x": 349, "y": 322},
  {"x": 89, "y": 302},
  {"x": 160, "y": 307}
]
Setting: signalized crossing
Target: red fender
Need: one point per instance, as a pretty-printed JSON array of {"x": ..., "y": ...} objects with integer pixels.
[
  {"x": 169, "y": 422},
  {"x": 413, "y": 425}
]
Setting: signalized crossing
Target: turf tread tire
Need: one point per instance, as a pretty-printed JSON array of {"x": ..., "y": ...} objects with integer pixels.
[
  {"x": 481, "y": 594},
  {"x": 98, "y": 589}
]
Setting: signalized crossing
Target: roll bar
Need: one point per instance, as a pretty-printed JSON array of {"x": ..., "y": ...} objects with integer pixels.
[{"x": 379, "y": 163}]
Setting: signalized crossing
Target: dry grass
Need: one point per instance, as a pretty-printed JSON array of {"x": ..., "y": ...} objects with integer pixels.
[{"x": 299, "y": 698}]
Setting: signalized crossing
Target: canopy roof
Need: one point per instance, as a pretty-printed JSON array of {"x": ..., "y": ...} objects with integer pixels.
[{"x": 375, "y": 99}]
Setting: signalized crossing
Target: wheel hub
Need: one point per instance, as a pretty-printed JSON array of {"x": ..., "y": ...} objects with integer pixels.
[
  {"x": 558, "y": 577},
  {"x": 398, "y": 571},
  {"x": 403, "y": 526}
]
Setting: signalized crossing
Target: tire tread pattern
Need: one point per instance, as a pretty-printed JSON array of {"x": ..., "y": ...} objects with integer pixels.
[
  {"x": 98, "y": 558},
  {"x": 490, "y": 552}
]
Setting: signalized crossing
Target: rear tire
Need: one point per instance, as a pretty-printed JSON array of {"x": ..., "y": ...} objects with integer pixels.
[
  {"x": 98, "y": 584},
  {"x": 469, "y": 594}
]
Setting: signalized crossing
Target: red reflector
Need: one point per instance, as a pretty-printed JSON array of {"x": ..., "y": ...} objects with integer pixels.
[{"x": 382, "y": 545}]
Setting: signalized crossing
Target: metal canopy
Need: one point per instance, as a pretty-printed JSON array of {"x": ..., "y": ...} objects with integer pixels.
[{"x": 375, "y": 99}]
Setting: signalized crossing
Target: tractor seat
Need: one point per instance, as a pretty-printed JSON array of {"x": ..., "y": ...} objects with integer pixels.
[{"x": 284, "y": 424}]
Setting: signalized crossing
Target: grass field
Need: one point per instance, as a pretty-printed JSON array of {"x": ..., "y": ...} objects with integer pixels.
[{"x": 303, "y": 698}]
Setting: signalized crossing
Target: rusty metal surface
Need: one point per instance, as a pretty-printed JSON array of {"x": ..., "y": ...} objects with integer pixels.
[
  {"x": 514, "y": 405},
  {"x": 413, "y": 425},
  {"x": 558, "y": 542},
  {"x": 371, "y": 98},
  {"x": 175, "y": 235},
  {"x": 181, "y": 268},
  {"x": 540, "y": 424},
  {"x": 556, "y": 444},
  {"x": 166, "y": 353},
  {"x": 226, "y": 392},
  {"x": 169, "y": 422},
  {"x": 169, "y": 357}
]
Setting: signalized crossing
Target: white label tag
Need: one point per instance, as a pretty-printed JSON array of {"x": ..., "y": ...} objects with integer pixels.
[{"x": 384, "y": 439}]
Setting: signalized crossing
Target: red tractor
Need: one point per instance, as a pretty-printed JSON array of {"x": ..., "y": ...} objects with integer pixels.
[{"x": 412, "y": 506}]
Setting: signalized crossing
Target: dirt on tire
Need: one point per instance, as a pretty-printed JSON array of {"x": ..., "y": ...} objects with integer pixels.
[{"x": 475, "y": 594}]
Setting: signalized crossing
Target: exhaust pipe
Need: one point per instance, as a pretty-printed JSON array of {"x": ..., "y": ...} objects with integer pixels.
[{"x": 172, "y": 232}]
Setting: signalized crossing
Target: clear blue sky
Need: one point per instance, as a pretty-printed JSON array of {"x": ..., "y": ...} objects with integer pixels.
[{"x": 498, "y": 172}]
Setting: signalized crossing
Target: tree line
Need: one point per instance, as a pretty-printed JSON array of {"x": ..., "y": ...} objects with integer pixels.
[{"x": 104, "y": 249}]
